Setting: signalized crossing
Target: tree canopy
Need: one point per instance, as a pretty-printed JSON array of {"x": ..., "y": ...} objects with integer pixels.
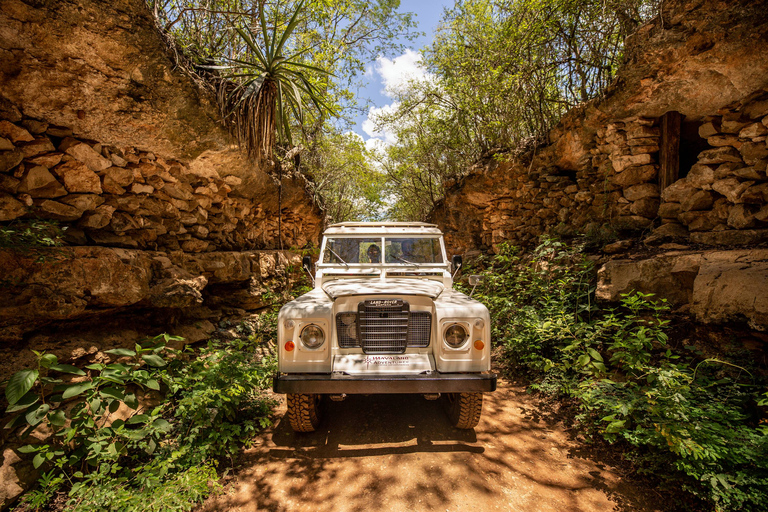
[{"x": 500, "y": 72}]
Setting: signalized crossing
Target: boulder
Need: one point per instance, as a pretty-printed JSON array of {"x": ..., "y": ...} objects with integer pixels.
[
  {"x": 178, "y": 292},
  {"x": 719, "y": 155},
  {"x": 10, "y": 208},
  {"x": 646, "y": 207},
  {"x": 10, "y": 159},
  {"x": 701, "y": 176},
  {"x": 78, "y": 177},
  {"x": 39, "y": 182},
  {"x": 678, "y": 191},
  {"x": 741, "y": 217},
  {"x": 731, "y": 237},
  {"x": 15, "y": 134},
  {"x": 623, "y": 162},
  {"x": 753, "y": 130},
  {"x": 85, "y": 154},
  {"x": 732, "y": 287},
  {"x": 753, "y": 152},
  {"x": 731, "y": 188},
  {"x": 50, "y": 209},
  {"x": 699, "y": 200},
  {"x": 670, "y": 232},
  {"x": 36, "y": 147},
  {"x": 642, "y": 191}
]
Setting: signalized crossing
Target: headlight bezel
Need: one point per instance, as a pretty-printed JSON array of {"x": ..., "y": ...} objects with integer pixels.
[
  {"x": 312, "y": 345},
  {"x": 452, "y": 326}
]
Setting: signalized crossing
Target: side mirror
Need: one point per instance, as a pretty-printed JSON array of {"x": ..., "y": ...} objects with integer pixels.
[
  {"x": 306, "y": 262},
  {"x": 474, "y": 280},
  {"x": 456, "y": 261}
]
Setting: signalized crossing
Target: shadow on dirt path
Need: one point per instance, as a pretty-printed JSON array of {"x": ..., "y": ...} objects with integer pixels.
[{"x": 398, "y": 453}]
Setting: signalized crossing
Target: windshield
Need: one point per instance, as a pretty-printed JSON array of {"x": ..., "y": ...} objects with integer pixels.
[{"x": 368, "y": 250}]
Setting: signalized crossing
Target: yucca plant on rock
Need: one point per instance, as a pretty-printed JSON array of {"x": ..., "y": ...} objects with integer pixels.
[{"x": 265, "y": 91}]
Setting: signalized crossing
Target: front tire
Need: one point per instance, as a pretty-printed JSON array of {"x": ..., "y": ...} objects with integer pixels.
[
  {"x": 464, "y": 409},
  {"x": 304, "y": 412}
]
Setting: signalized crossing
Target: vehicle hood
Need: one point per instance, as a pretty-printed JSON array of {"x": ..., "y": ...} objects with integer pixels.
[{"x": 347, "y": 287}]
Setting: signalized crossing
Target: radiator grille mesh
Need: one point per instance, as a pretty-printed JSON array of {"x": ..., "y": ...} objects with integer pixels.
[{"x": 384, "y": 327}]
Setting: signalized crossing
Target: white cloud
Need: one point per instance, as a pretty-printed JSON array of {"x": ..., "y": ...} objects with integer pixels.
[{"x": 395, "y": 73}]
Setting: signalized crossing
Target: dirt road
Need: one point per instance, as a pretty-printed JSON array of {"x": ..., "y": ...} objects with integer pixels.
[{"x": 398, "y": 453}]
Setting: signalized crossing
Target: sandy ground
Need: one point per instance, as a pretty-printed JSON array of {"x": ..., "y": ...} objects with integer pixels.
[{"x": 398, "y": 453}]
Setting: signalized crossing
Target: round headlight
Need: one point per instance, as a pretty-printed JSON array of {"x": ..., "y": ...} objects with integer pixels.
[
  {"x": 312, "y": 336},
  {"x": 456, "y": 335}
]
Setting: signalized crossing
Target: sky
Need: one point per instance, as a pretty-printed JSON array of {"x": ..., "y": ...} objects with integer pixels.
[{"x": 388, "y": 72}]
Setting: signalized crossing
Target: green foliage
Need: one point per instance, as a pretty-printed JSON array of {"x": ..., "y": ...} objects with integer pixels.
[
  {"x": 144, "y": 432},
  {"x": 685, "y": 419},
  {"x": 268, "y": 85},
  {"x": 343, "y": 180},
  {"x": 501, "y": 73},
  {"x": 27, "y": 235}
]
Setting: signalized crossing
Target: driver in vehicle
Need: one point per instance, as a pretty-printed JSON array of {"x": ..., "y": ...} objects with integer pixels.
[{"x": 374, "y": 254}]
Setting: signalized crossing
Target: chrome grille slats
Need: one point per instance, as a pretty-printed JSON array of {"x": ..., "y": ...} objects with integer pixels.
[{"x": 384, "y": 326}]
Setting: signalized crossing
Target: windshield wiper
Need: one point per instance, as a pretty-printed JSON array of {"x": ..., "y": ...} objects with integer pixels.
[
  {"x": 338, "y": 257},
  {"x": 404, "y": 260}
]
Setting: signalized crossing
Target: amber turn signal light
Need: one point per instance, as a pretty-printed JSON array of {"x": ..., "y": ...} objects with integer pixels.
[
  {"x": 289, "y": 346},
  {"x": 479, "y": 345}
]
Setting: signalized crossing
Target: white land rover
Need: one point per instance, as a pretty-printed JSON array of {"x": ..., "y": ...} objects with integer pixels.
[{"x": 383, "y": 318}]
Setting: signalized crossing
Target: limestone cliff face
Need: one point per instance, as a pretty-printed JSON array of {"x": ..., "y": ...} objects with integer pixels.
[
  {"x": 99, "y": 72},
  {"x": 101, "y": 69},
  {"x": 707, "y": 61},
  {"x": 603, "y": 170}
]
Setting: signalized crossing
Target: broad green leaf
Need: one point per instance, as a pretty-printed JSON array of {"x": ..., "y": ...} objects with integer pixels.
[
  {"x": 153, "y": 360},
  {"x": 161, "y": 424},
  {"x": 28, "y": 448},
  {"x": 117, "y": 394},
  {"x": 25, "y": 401},
  {"x": 76, "y": 389},
  {"x": 595, "y": 354},
  {"x": 58, "y": 418},
  {"x": 19, "y": 384},
  {"x": 38, "y": 460},
  {"x": 47, "y": 360},
  {"x": 153, "y": 384},
  {"x": 139, "y": 418},
  {"x": 122, "y": 352},
  {"x": 583, "y": 360},
  {"x": 35, "y": 416},
  {"x": 131, "y": 401},
  {"x": 67, "y": 368}
]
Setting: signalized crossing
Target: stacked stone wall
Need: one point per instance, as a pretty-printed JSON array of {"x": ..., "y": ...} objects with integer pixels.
[
  {"x": 724, "y": 198},
  {"x": 126, "y": 197}
]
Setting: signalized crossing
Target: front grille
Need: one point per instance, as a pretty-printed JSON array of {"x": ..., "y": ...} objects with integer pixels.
[
  {"x": 382, "y": 325},
  {"x": 419, "y": 329},
  {"x": 385, "y": 326}
]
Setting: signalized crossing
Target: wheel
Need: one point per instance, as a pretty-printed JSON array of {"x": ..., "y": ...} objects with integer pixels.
[
  {"x": 303, "y": 412},
  {"x": 464, "y": 409}
]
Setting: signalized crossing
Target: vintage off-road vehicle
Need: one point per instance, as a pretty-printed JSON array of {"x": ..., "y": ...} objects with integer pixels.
[{"x": 383, "y": 318}]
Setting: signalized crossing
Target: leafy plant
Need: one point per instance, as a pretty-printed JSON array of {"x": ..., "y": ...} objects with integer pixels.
[
  {"x": 272, "y": 85},
  {"x": 179, "y": 413},
  {"x": 685, "y": 419}
]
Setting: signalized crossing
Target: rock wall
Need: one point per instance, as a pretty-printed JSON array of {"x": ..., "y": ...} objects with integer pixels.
[
  {"x": 128, "y": 197},
  {"x": 602, "y": 170}
]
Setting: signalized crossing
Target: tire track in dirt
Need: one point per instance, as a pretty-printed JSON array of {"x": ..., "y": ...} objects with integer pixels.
[{"x": 398, "y": 453}]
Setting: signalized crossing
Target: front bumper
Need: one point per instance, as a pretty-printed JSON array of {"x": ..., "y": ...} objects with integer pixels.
[{"x": 433, "y": 382}]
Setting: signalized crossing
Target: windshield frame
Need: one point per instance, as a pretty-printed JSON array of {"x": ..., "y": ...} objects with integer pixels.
[{"x": 381, "y": 240}]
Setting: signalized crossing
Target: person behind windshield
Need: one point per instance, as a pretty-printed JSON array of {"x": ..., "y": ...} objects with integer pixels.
[{"x": 374, "y": 254}]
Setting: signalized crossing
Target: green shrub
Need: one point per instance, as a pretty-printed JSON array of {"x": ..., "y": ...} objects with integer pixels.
[
  {"x": 686, "y": 419},
  {"x": 207, "y": 403}
]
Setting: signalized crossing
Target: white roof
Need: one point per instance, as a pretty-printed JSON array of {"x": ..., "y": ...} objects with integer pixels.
[{"x": 382, "y": 228}]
